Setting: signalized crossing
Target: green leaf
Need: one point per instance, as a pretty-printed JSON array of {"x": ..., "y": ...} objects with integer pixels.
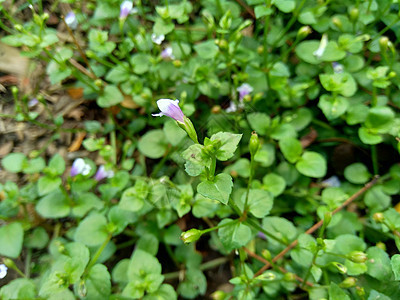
[
  {"x": 259, "y": 122},
  {"x": 342, "y": 83},
  {"x": 262, "y": 10},
  {"x": 368, "y": 137},
  {"x": 34, "y": 165},
  {"x": 235, "y": 235},
  {"x": 380, "y": 119},
  {"x": 173, "y": 132},
  {"x": 291, "y": 149},
  {"x": 132, "y": 199},
  {"x": 84, "y": 203},
  {"x": 336, "y": 293},
  {"x": 20, "y": 288},
  {"x": 57, "y": 72},
  {"x": 38, "y": 238},
  {"x": 265, "y": 155},
  {"x": 281, "y": 228},
  {"x": 195, "y": 284},
  {"x": 53, "y": 205},
  {"x": 111, "y": 96},
  {"x": 118, "y": 74},
  {"x": 376, "y": 199},
  {"x": 219, "y": 189},
  {"x": 98, "y": 283},
  {"x": 141, "y": 63},
  {"x": 228, "y": 144},
  {"x": 332, "y": 52},
  {"x": 274, "y": 183},
  {"x": 153, "y": 144},
  {"x": 14, "y": 162},
  {"x": 333, "y": 107},
  {"x": 395, "y": 263},
  {"x": 165, "y": 292},
  {"x": 260, "y": 202},
  {"x": 11, "y": 238},
  {"x": 162, "y": 26},
  {"x": 285, "y": 6},
  {"x": 357, "y": 173},
  {"x": 312, "y": 164},
  {"x": 206, "y": 50},
  {"x": 347, "y": 243},
  {"x": 149, "y": 243},
  {"x": 92, "y": 231},
  {"x": 47, "y": 184},
  {"x": 379, "y": 265}
]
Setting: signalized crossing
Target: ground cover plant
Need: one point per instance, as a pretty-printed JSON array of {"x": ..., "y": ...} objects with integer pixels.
[{"x": 207, "y": 149}]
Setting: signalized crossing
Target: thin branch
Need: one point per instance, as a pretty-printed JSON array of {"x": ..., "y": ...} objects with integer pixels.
[
  {"x": 247, "y": 8},
  {"x": 283, "y": 270},
  {"x": 318, "y": 225}
]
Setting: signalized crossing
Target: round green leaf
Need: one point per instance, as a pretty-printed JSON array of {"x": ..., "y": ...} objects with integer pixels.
[
  {"x": 274, "y": 183},
  {"x": 111, "y": 96},
  {"x": 92, "y": 231},
  {"x": 312, "y": 164},
  {"x": 291, "y": 149},
  {"x": 14, "y": 162},
  {"x": 153, "y": 144},
  {"x": 219, "y": 189},
  {"x": 53, "y": 205},
  {"x": 11, "y": 238},
  {"x": 357, "y": 173}
]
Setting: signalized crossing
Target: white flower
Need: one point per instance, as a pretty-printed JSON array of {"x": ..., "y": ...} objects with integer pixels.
[
  {"x": 80, "y": 167},
  {"x": 332, "y": 181},
  {"x": 322, "y": 46},
  {"x": 3, "y": 271},
  {"x": 167, "y": 53},
  {"x": 125, "y": 9},
  {"x": 103, "y": 173},
  {"x": 71, "y": 20},
  {"x": 157, "y": 39},
  {"x": 244, "y": 90},
  {"x": 170, "y": 108},
  {"x": 337, "y": 68},
  {"x": 233, "y": 107}
]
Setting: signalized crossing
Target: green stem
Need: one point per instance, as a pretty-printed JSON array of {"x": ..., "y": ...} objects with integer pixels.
[
  {"x": 219, "y": 226},
  {"x": 28, "y": 263},
  {"x": 97, "y": 254},
  {"x": 205, "y": 266},
  {"x": 252, "y": 169},
  {"x": 212, "y": 168}
]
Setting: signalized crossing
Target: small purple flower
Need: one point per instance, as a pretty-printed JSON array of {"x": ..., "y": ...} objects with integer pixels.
[
  {"x": 167, "y": 53},
  {"x": 244, "y": 90},
  {"x": 261, "y": 235},
  {"x": 337, "y": 68},
  {"x": 103, "y": 173},
  {"x": 80, "y": 167},
  {"x": 170, "y": 108},
  {"x": 157, "y": 39},
  {"x": 3, "y": 271},
  {"x": 332, "y": 181},
  {"x": 71, "y": 20},
  {"x": 125, "y": 9},
  {"x": 33, "y": 102}
]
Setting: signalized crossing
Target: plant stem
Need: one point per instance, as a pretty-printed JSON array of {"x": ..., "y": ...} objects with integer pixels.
[
  {"x": 97, "y": 255},
  {"x": 319, "y": 224},
  {"x": 205, "y": 266},
  {"x": 374, "y": 155},
  {"x": 219, "y": 226}
]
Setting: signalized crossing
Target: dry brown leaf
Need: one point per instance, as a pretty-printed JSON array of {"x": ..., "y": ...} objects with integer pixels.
[
  {"x": 129, "y": 103},
  {"x": 6, "y": 148},
  {"x": 76, "y": 144},
  {"x": 75, "y": 93},
  {"x": 76, "y": 114},
  {"x": 309, "y": 138}
]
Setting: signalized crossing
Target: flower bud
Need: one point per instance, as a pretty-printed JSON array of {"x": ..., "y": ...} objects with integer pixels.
[
  {"x": 98, "y": 83},
  {"x": 360, "y": 291},
  {"x": 327, "y": 218},
  {"x": 381, "y": 245},
  {"x": 348, "y": 282},
  {"x": 392, "y": 74},
  {"x": 353, "y": 14},
  {"x": 216, "y": 109},
  {"x": 177, "y": 63},
  {"x": 191, "y": 235},
  {"x": 378, "y": 217},
  {"x": 254, "y": 144},
  {"x": 357, "y": 257},
  {"x": 303, "y": 32},
  {"x": 218, "y": 295},
  {"x": 341, "y": 268},
  {"x": 337, "y": 22},
  {"x": 266, "y": 254},
  {"x": 266, "y": 276},
  {"x": 9, "y": 263},
  {"x": 289, "y": 276},
  {"x": 222, "y": 44},
  {"x": 260, "y": 49},
  {"x": 383, "y": 43}
]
